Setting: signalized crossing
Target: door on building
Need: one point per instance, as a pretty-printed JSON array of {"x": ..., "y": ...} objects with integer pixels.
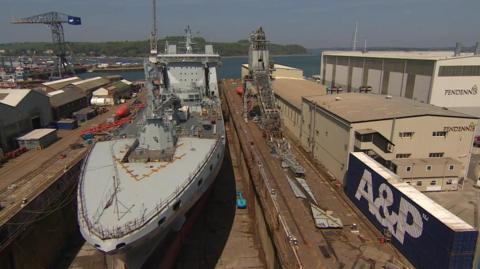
[{"x": 36, "y": 122}]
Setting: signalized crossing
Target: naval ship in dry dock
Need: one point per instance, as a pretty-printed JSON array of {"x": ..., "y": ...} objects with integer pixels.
[{"x": 136, "y": 188}]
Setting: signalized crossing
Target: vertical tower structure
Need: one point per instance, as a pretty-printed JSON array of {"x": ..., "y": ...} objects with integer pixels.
[{"x": 258, "y": 53}]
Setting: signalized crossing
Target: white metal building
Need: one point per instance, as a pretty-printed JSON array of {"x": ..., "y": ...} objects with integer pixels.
[
  {"x": 427, "y": 146},
  {"x": 439, "y": 78},
  {"x": 38, "y": 139}
]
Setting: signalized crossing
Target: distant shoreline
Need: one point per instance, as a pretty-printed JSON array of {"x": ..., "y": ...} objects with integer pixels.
[{"x": 279, "y": 55}]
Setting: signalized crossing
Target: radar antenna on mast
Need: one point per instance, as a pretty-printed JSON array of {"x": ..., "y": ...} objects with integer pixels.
[{"x": 188, "y": 39}]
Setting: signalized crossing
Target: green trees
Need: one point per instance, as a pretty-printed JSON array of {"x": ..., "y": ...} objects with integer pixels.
[{"x": 140, "y": 48}]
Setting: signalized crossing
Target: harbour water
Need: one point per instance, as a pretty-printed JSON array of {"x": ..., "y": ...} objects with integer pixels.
[{"x": 310, "y": 64}]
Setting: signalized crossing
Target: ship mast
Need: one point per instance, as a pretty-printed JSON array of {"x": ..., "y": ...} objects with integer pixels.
[
  {"x": 188, "y": 41},
  {"x": 153, "y": 34}
]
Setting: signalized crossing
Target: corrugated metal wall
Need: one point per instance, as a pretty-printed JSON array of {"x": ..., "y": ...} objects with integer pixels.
[
  {"x": 398, "y": 77},
  {"x": 341, "y": 71},
  {"x": 374, "y": 79},
  {"x": 395, "y": 84},
  {"x": 421, "y": 83},
  {"x": 357, "y": 77}
]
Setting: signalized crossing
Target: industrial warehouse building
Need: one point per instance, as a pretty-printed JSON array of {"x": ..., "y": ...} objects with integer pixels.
[
  {"x": 56, "y": 85},
  {"x": 279, "y": 71},
  {"x": 65, "y": 102},
  {"x": 112, "y": 94},
  {"x": 427, "y": 146},
  {"x": 441, "y": 78},
  {"x": 21, "y": 110},
  {"x": 88, "y": 86},
  {"x": 288, "y": 93}
]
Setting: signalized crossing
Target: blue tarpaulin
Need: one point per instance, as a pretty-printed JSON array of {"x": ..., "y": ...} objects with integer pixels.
[{"x": 74, "y": 20}]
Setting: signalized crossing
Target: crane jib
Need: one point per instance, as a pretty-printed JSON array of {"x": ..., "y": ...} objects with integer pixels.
[{"x": 74, "y": 20}]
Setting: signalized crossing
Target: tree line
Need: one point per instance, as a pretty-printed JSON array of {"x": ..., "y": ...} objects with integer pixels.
[{"x": 140, "y": 48}]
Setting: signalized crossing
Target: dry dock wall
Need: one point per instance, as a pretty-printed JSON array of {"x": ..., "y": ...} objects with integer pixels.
[
  {"x": 254, "y": 206},
  {"x": 36, "y": 236},
  {"x": 272, "y": 232}
]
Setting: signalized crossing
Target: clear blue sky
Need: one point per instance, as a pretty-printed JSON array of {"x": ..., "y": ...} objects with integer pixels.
[{"x": 311, "y": 23}]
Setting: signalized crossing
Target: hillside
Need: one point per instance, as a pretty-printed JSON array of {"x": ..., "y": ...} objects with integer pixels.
[{"x": 140, "y": 48}]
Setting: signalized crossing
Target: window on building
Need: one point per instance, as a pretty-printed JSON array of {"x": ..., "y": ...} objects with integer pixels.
[
  {"x": 419, "y": 183},
  {"x": 405, "y": 134},
  {"x": 451, "y": 167},
  {"x": 408, "y": 168},
  {"x": 448, "y": 182},
  {"x": 403, "y": 155},
  {"x": 408, "y": 182},
  {"x": 459, "y": 71},
  {"x": 439, "y": 133},
  {"x": 436, "y": 155},
  {"x": 429, "y": 167},
  {"x": 433, "y": 182}
]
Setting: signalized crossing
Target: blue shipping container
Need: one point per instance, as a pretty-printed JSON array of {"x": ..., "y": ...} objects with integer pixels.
[
  {"x": 67, "y": 124},
  {"x": 433, "y": 238}
]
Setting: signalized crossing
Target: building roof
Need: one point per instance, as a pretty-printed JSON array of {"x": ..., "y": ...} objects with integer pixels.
[
  {"x": 62, "y": 97},
  {"x": 113, "y": 88},
  {"x": 362, "y": 107},
  {"x": 37, "y": 134},
  {"x": 12, "y": 97},
  {"x": 412, "y": 55},
  {"x": 126, "y": 82},
  {"x": 277, "y": 66},
  {"x": 91, "y": 83},
  {"x": 58, "y": 84},
  {"x": 281, "y": 66},
  {"x": 425, "y": 161},
  {"x": 100, "y": 92},
  {"x": 292, "y": 90},
  {"x": 119, "y": 86}
]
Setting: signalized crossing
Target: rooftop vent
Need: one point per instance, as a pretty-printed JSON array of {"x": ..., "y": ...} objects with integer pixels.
[
  {"x": 458, "y": 49},
  {"x": 338, "y": 98},
  {"x": 388, "y": 97}
]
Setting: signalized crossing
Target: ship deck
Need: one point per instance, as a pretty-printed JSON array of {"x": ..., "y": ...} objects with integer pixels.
[{"x": 141, "y": 188}]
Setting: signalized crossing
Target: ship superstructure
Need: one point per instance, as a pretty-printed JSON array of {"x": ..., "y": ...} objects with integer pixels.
[{"x": 136, "y": 187}]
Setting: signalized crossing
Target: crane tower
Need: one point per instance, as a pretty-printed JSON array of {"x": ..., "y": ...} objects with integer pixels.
[{"x": 55, "y": 20}]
